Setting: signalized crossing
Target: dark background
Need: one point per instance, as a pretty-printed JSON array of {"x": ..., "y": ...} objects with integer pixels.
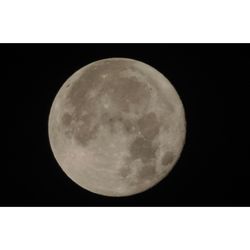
[{"x": 212, "y": 81}]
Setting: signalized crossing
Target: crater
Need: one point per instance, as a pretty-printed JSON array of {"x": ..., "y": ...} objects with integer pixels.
[
  {"x": 69, "y": 133},
  {"x": 147, "y": 172},
  {"x": 167, "y": 158},
  {"x": 66, "y": 119},
  {"x": 109, "y": 120},
  {"x": 81, "y": 93},
  {"x": 124, "y": 171},
  {"x": 85, "y": 131},
  {"x": 84, "y": 134},
  {"x": 129, "y": 91},
  {"x": 129, "y": 126},
  {"x": 149, "y": 125},
  {"x": 142, "y": 149},
  {"x": 112, "y": 120}
]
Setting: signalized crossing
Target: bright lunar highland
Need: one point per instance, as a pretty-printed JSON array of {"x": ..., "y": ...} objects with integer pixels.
[{"x": 117, "y": 127}]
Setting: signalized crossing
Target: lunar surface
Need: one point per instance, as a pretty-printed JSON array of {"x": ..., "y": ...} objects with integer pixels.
[{"x": 117, "y": 127}]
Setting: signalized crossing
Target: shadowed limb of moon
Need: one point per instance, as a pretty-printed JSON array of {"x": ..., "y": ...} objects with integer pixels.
[{"x": 117, "y": 127}]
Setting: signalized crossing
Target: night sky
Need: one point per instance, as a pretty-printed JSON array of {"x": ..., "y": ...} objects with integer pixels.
[{"x": 213, "y": 83}]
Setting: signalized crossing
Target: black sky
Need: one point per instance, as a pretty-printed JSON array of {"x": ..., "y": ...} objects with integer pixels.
[{"x": 213, "y": 83}]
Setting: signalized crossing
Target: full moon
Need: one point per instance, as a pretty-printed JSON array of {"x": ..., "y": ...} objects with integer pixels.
[{"x": 117, "y": 127}]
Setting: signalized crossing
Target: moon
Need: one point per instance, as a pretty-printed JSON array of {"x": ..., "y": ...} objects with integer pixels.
[{"x": 117, "y": 127}]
